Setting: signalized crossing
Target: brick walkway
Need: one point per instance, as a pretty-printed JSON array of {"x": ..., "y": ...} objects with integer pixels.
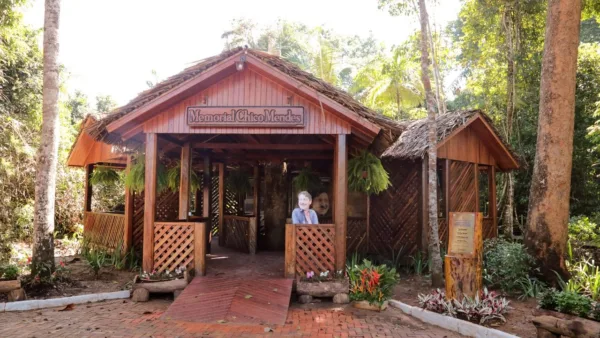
[{"x": 128, "y": 319}]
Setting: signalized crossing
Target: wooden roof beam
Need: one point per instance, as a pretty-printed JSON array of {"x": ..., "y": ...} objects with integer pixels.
[{"x": 242, "y": 146}]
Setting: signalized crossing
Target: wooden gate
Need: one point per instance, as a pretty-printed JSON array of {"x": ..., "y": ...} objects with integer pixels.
[{"x": 309, "y": 247}]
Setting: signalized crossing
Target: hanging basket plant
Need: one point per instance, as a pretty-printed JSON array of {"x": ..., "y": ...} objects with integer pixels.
[
  {"x": 136, "y": 177},
  {"x": 307, "y": 180},
  {"x": 173, "y": 175},
  {"x": 366, "y": 174},
  {"x": 105, "y": 176},
  {"x": 238, "y": 182}
]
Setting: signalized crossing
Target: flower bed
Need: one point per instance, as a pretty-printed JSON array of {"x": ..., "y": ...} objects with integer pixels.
[{"x": 371, "y": 286}]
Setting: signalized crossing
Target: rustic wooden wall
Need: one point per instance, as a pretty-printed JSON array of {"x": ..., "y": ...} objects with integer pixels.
[{"x": 394, "y": 213}]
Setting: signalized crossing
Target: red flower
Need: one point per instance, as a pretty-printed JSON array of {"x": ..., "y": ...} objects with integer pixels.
[
  {"x": 28, "y": 260},
  {"x": 62, "y": 264}
]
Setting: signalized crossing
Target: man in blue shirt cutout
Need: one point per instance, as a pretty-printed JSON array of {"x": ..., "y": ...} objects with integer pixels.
[{"x": 304, "y": 214}]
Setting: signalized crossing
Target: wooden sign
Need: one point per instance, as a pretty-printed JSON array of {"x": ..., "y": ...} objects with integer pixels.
[
  {"x": 463, "y": 262},
  {"x": 255, "y": 117},
  {"x": 462, "y": 231}
]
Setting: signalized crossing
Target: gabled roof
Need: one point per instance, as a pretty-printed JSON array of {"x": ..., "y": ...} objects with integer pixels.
[
  {"x": 151, "y": 101},
  {"x": 413, "y": 144},
  {"x": 86, "y": 150}
]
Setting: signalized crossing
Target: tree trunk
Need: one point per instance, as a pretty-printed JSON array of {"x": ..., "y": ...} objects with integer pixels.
[
  {"x": 546, "y": 235},
  {"x": 509, "y": 29},
  {"x": 45, "y": 183},
  {"x": 276, "y": 213},
  {"x": 441, "y": 104},
  {"x": 437, "y": 279}
]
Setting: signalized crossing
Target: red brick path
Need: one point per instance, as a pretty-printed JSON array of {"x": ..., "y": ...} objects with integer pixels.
[{"x": 128, "y": 319}]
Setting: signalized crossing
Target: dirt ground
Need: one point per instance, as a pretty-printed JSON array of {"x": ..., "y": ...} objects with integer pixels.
[
  {"x": 82, "y": 281},
  {"x": 518, "y": 320}
]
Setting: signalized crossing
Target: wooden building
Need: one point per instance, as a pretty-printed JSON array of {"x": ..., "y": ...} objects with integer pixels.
[{"x": 246, "y": 111}]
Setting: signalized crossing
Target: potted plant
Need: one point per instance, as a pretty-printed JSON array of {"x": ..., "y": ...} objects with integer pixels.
[
  {"x": 371, "y": 286},
  {"x": 323, "y": 284},
  {"x": 307, "y": 180},
  {"x": 173, "y": 177},
  {"x": 136, "y": 176},
  {"x": 159, "y": 282},
  {"x": 366, "y": 174}
]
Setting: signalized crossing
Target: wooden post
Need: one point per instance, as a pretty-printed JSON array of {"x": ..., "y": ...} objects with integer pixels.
[
  {"x": 221, "y": 204},
  {"x": 290, "y": 251},
  {"x": 128, "y": 227},
  {"x": 200, "y": 248},
  {"x": 206, "y": 198},
  {"x": 149, "y": 201},
  {"x": 463, "y": 263},
  {"x": 340, "y": 199},
  {"x": 256, "y": 196},
  {"x": 492, "y": 199},
  {"x": 252, "y": 233},
  {"x": 476, "y": 172},
  {"x": 424, "y": 204},
  {"x": 87, "y": 201},
  {"x": 184, "y": 181}
]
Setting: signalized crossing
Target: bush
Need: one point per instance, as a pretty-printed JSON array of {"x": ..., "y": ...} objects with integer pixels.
[
  {"x": 505, "y": 264},
  {"x": 483, "y": 308},
  {"x": 9, "y": 272},
  {"x": 566, "y": 302},
  {"x": 372, "y": 283},
  {"x": 583, "y": 230},
  {"x": 96, "y": 259}
]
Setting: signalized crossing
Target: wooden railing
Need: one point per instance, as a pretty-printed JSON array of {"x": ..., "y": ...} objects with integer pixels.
[
  {"x": 309, "y": 247},
  {"x": 178, "y": 244},
  {"x": 240, "y": 233},
  {"x": 103, "y": 230}
]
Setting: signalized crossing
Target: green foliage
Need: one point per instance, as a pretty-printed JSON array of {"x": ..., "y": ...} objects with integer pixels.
[
  {"x": 105, "y": 176},
  {"x": 530, "y": 288},
  {"x": 505, "y": 264},
  {"x": 173, "y": 175},
  {"x": 573, "y": 303},
  {"x": 238, "y": 181},
  {"x": 307, "y": 180},
  {"x": 374, "y": 284},
  {"x": 96, "y": 259},
  {"x": 585, "y": 279},
  {"x": 136, "y": 177},
  {"x": 9, "y": 272},
  {"x": 366, "y": 174},
  {"x": 484, "y": 308},
  {"x": 420, "y": 263}
]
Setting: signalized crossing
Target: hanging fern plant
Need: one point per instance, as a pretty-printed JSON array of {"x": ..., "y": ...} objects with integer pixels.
[
  {"x": 105, "y": 176},
  {"x": 173, "y": 175},
  {"x": 238, "y": 182},
  {"x": 366, "y": 174},
  {"x": 135, "y": 179},
  {"x": 307, "y": 180}
]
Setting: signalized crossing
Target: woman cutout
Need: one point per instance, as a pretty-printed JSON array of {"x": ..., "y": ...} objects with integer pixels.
[{"x": 304, "y": 214}]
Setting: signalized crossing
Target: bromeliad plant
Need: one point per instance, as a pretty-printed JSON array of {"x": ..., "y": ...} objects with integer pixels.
[
  {"x": 481, "y": 309},
  {"x": 372, "y": 283}
]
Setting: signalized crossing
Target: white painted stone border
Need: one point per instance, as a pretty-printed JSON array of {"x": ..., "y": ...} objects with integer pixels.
[
  {"x": 36, "y": 304},
  {"x": 453, "y": 324}
]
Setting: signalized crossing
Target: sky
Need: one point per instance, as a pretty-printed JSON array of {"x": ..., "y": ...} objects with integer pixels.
[{"x": 110, "y": 47}]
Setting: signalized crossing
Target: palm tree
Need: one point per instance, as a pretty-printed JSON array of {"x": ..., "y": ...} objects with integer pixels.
[
  {"x": 45, "y": 181},
  {"x": 390, "y": 85}
]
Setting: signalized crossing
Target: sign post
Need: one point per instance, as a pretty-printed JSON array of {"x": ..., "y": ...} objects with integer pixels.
[{"x": 465, "y": 255}]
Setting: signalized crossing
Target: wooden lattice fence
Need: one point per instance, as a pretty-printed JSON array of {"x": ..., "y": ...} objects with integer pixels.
[
  {"x": 463, "y": 192},
  {"x": 357, "y": 235},
  {"x": 240, "y": 233},
  {"x": 490, "y": 230},
  {"x": 394, "y": 213},
  {"x": 173, "y": 246},
  {"x": 314, "y": 248},
  {"x": 168, "y": 211},
  {"x": 103, "y": 230}
]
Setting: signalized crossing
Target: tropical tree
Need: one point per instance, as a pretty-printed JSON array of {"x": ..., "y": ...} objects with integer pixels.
[
  {"x": 410, "y": 7},
  {"x": 45, "y": 184},
  {"x": 390, "y": 85},
  {"x": 547, "y": 231}
]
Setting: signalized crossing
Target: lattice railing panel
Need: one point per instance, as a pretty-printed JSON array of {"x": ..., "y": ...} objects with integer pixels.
[
  {"x": 237, "y": 230},
  {"x": 214, "y": 219},
  {"x": 315, "y": 249},
  {"x": 394, "y": 213},
  {"x": 167, "y": 206},
  {"x": 490, "y": 230},
  {"x": 443, "y": 232},
  {"x": 356, "y": 235},
  {"x": 462, "y": 187},
  {"x": 173, "y": 246},
  {"x": 103, "y": 229}
]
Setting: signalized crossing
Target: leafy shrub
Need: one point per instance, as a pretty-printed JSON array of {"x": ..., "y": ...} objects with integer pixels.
[
  {"x": 505, "y": 264},
  {"x": 96, "y": 259},
  {"x": 596, "y": 312},
  {"x": 47, "y": 277},
  {"x": 483, "y": 308},
  {"x": 585, "y": 279},
  {"x": 583, "y": 230},
  {"x": 372, "y": 283},
  {"x": 10, "y": 272},
  {"x": 566, "y": 302},
  {"x": 531, "y": 288}
]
